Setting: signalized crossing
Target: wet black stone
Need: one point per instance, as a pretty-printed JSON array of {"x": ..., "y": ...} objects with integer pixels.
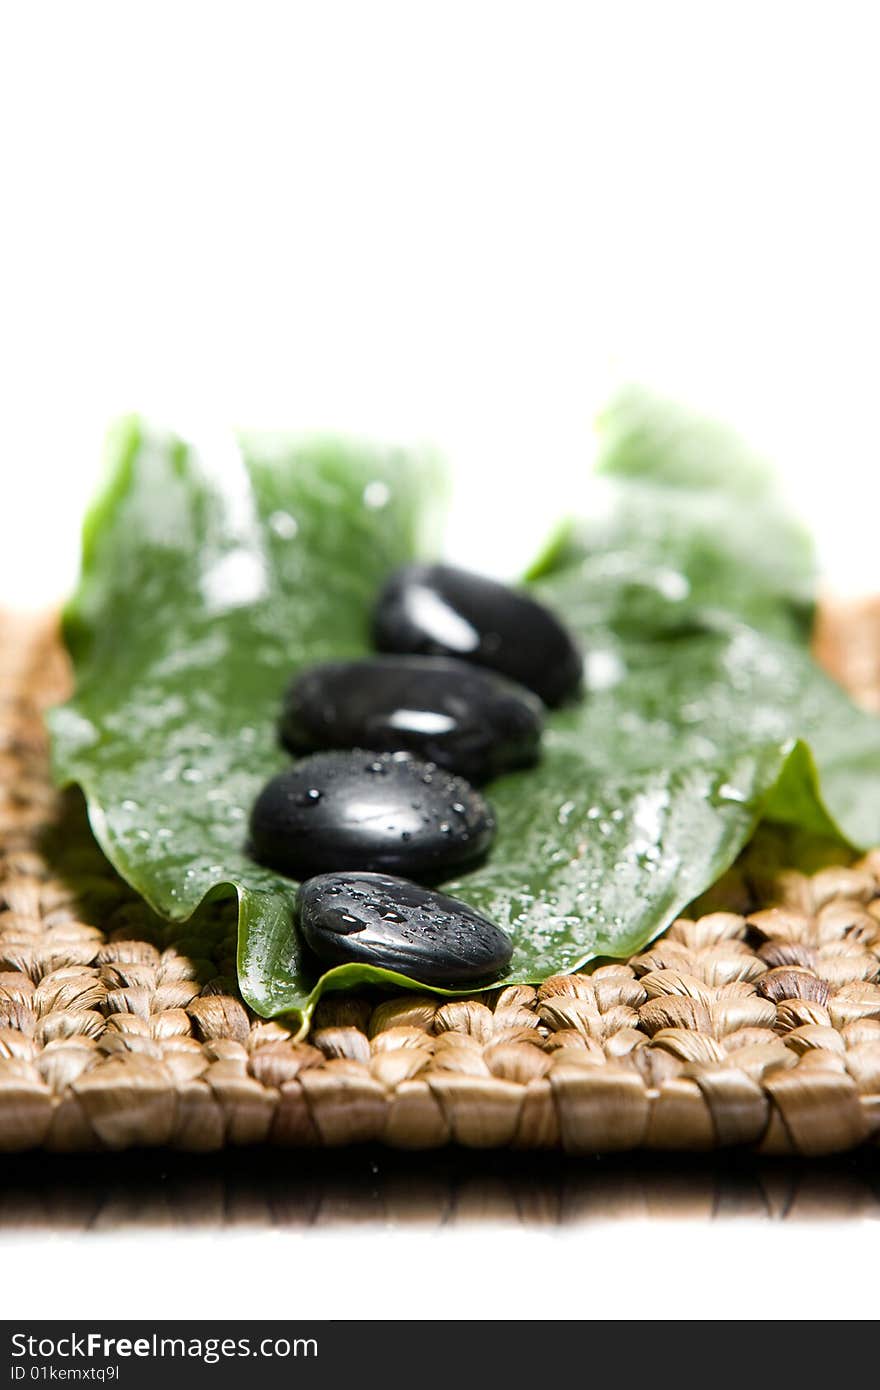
[
  {"x": 468, "y": 720},
  {"x": 441, "y": 610},
  {"x": 388, "y": 812},
  {"x": 375, "y": 919}
]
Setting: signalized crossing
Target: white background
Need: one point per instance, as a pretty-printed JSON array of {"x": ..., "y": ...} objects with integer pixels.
[{"x": 455, "y": 223}]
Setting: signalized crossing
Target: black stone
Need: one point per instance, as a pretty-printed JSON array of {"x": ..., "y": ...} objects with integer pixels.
[
  {"x": 389, "y": 812},
  {"x": 470, "y": 721},
  {"x": 374, "y": 919},
  {"x": 440, "y": 610}
]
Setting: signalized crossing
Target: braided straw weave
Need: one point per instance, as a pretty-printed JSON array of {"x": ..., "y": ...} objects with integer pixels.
[{"x": 754, "y": 1024}]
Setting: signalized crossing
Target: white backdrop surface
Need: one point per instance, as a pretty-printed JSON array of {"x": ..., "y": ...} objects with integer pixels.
[{"x": 460, "y": 223}]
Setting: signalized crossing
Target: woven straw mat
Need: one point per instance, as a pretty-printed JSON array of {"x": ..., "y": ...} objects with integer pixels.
[{"x": 753, "y": 1022}]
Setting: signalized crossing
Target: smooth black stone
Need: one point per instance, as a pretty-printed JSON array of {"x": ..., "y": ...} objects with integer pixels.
[
  {"x": 388, "y": 812},
  {"x": 374, "y": 919},
  {"x": 440, "y": 610},
  {"x": 470, "y": 721}
]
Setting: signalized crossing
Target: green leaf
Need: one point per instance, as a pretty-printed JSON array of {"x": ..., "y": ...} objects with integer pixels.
[
  {"x": 208, "y": 578},
  {"x": 686, "y": 518}
]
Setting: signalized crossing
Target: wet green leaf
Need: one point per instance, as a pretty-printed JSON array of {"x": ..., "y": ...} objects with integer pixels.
[{"x": 209, "y": 576}]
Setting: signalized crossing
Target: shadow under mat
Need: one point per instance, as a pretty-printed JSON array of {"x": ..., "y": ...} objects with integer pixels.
[{"x": 152, "y": 1190}]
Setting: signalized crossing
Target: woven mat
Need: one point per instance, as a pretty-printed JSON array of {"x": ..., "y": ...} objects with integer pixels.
[{"x": 754, "y": 1023}]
